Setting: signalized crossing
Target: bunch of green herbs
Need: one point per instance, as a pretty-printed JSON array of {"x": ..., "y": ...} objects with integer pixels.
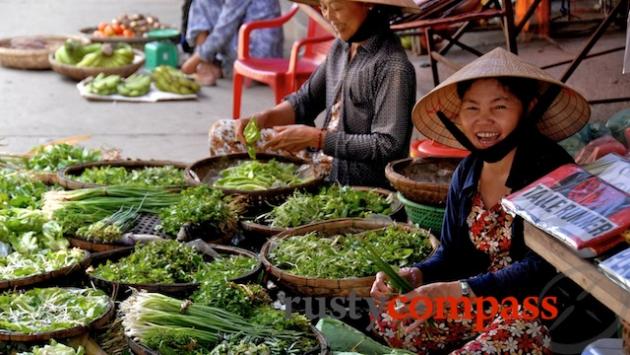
[
  {"x": 200, "y": 207},
  {"x": 255, "y": 175},
  {"x": 148, "y": 176},
  {"x": 331, "y": 202},
  {"x": 110, "y": 228},
  {"x": 341, "y": 256},
  {"x": 51, "y": 158},
  {"x": 50, "y": 309}
]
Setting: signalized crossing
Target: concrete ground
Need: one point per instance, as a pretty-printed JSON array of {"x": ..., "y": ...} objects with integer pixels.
[{"x": 37, "y": 106}]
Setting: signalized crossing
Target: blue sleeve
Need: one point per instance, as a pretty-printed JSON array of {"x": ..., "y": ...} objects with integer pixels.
[
  {"x": 446, "y": 263},
  {"x": 232, "y": 14}
]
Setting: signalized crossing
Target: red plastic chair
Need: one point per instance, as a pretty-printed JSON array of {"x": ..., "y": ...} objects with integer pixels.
[{"x": 283, "y": 75}]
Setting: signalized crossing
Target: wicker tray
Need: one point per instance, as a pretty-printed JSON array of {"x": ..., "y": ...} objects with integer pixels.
[
  {"x": 97, "y": 324},
  {"x": 39, "y": 278},
  {"x": 30, "y": 58},
  {"x": 79, "y": 74},
  {"x": 266, "y": 231},
  {"x": 120, "y": 289},
  {"x": 322, "y": 349},
  {"x": 207, "y": 171},
  {"x": 422, "y": 180},
  {"x": 67, "y": 177},
  {"x": 310, "y": 286}
]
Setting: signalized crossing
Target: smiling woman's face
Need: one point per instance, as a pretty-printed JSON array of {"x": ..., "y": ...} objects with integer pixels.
[
  {"x": 489, "y": 112},
  {"x": 345, "y": 16}
]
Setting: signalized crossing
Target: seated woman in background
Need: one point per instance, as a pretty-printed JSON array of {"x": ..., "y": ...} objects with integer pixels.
[
  {"x": 487, "y": 107},
  {"x": 213, "y": 27},
  {"x": 366, "y": 86}
]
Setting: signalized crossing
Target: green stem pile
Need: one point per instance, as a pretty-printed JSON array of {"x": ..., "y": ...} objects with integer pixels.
[{"x": 255, "y": 175}]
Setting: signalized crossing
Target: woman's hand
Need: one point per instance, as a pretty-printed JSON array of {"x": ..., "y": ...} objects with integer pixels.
[
  {"x": 293, "y": 138},
  {"x": 433, "y": 291},
  {"x": 381, "y": 292}
]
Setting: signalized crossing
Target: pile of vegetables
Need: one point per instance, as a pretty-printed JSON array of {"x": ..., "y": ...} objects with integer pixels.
[
  {"x": 50, "y": 309},
  {"x": 254, "y": 175},
  {"x": 51, "y": 158},
  {"x": 18, "y": 189},
  {"x": 172, "y": 326},
  {"x": 17, "y": 265},
  {"x": 343, "y": 256},
  {"x": 110, "y": 228},
  {"x": 331, "y": 202},
  {"x": 200, "y": 211},
  {"x": 26, "y": 231},
  {"x": 79, "y": 208},
  {"x": 252, "y": 135},
  {"x": 54, "y": 348},
  {"x": 170, "y": 262}
]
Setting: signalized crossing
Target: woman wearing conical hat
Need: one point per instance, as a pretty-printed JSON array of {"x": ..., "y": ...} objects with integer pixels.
[
  {"x": 493, "y": 107},
  {"x": 366, "y": 87}
]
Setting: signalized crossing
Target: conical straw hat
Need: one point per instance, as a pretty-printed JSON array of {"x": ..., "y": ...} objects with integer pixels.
[
  {"x": 568, "y": 113},
  {"x": 406, "y": 5}
]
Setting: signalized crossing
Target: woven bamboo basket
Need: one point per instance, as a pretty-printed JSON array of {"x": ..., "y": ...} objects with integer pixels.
[
  {"x": 120, "y": 290},
  {"x": 208, "y": 170},
  {"x": 422, "y": 180},
  {"x": 323, "y": 348},
  {"x": 264, "y": 230},
  {"x": 79, "y": 73},
  {"x": 97, "y": 324},
  {"x": 311, "y": 286},
  {"x": 51, "y": 275},
  {"x": 30, "y": 58},
  {"x": 68, "y": 177}
]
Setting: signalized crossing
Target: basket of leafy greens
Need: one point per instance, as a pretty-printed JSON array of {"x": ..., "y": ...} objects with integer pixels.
[
  {"x": 328, "y": 258},
  {"x": 123, "y": 172},
  {"x": 269, "y": 178},
  {"x": 331, "y": 202},
  {"x": 171, "y": 267},
  {"x": 42, "y": 314}
]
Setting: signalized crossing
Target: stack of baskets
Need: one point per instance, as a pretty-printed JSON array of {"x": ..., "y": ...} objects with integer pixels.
[{"x": 422, "y": 185}]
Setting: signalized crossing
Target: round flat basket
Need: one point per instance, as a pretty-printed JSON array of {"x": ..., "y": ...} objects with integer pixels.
[
  {"x": 422, "y": 180},
  {"x": 47, "y": 276},
  {"x": 120, "y": 289},
  {"x": 264, "y": 230},
  {"x": 29, "y": 58},
  {"x": 427, "y": 217},
  {"x": 311, "y": 286},
  {"x": 323, "y": 348},
  {"x": 97, "y": 324},
  {"x": 68, "y": 177},
  {"x": 207, "y": 171},
  {"x": 80, "y": 73}
]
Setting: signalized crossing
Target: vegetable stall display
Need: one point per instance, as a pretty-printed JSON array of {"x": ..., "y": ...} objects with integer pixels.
[
  {"x": 255, "y": 175},
  {"x": 145, "y": 177}
]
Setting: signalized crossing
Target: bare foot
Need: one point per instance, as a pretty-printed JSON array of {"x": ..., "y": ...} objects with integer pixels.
[
  {"x": 208, "y": 73},
  {"x": 191, "y": 64}
]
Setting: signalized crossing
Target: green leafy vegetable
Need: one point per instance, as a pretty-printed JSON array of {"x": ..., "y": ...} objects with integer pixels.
[
  {"x": 51, "y": 158},
  {"x": 200, "y": 208},
  {"x": 50, "y": 309},
  {"x": 17, "y": 265},
  {"x": 54, "y": 349},
  {"x": 27, "y": 231},
  {"x": 331, "y": 202},
  {"x": 254, "y": 175},
  {"x": 150, "y": 176},
  {"x": 252, "y": 135},
  {"x": 111, "y": 228},
  {"x": 18, "y": 189},
  {"x": 341, "y": 256}
]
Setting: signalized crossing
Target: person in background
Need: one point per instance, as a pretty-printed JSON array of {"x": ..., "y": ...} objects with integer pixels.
[{"x": 213, "y": 27}]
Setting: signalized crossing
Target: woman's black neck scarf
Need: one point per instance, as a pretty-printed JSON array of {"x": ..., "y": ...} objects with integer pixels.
[
  {"x": 376, "y": 22},
  {"x": 526, "y": 127}
]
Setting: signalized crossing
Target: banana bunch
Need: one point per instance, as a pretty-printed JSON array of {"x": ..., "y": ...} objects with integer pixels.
[
  {"x": 169, "y": 79},
  {"x": 104, "y": 84},
  {"x": 108, "y": 57},
  {"x": 135, "y": 85},
  {"x": 72, "y": 51}
]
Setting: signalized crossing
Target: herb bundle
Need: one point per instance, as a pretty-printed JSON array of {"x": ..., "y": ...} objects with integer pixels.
[{"x": 51, "y": 158}]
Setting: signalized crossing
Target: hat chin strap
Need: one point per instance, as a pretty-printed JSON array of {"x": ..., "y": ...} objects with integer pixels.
[
  {"x": 376, "y": 22},
  {"x": 496, "y": 152}
]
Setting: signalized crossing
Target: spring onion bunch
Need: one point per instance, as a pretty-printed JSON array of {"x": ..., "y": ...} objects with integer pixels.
[{"x": 110, "y": 228}]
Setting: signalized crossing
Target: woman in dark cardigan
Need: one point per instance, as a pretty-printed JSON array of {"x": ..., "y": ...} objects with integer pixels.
[{"x": 488, "y": 108}]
